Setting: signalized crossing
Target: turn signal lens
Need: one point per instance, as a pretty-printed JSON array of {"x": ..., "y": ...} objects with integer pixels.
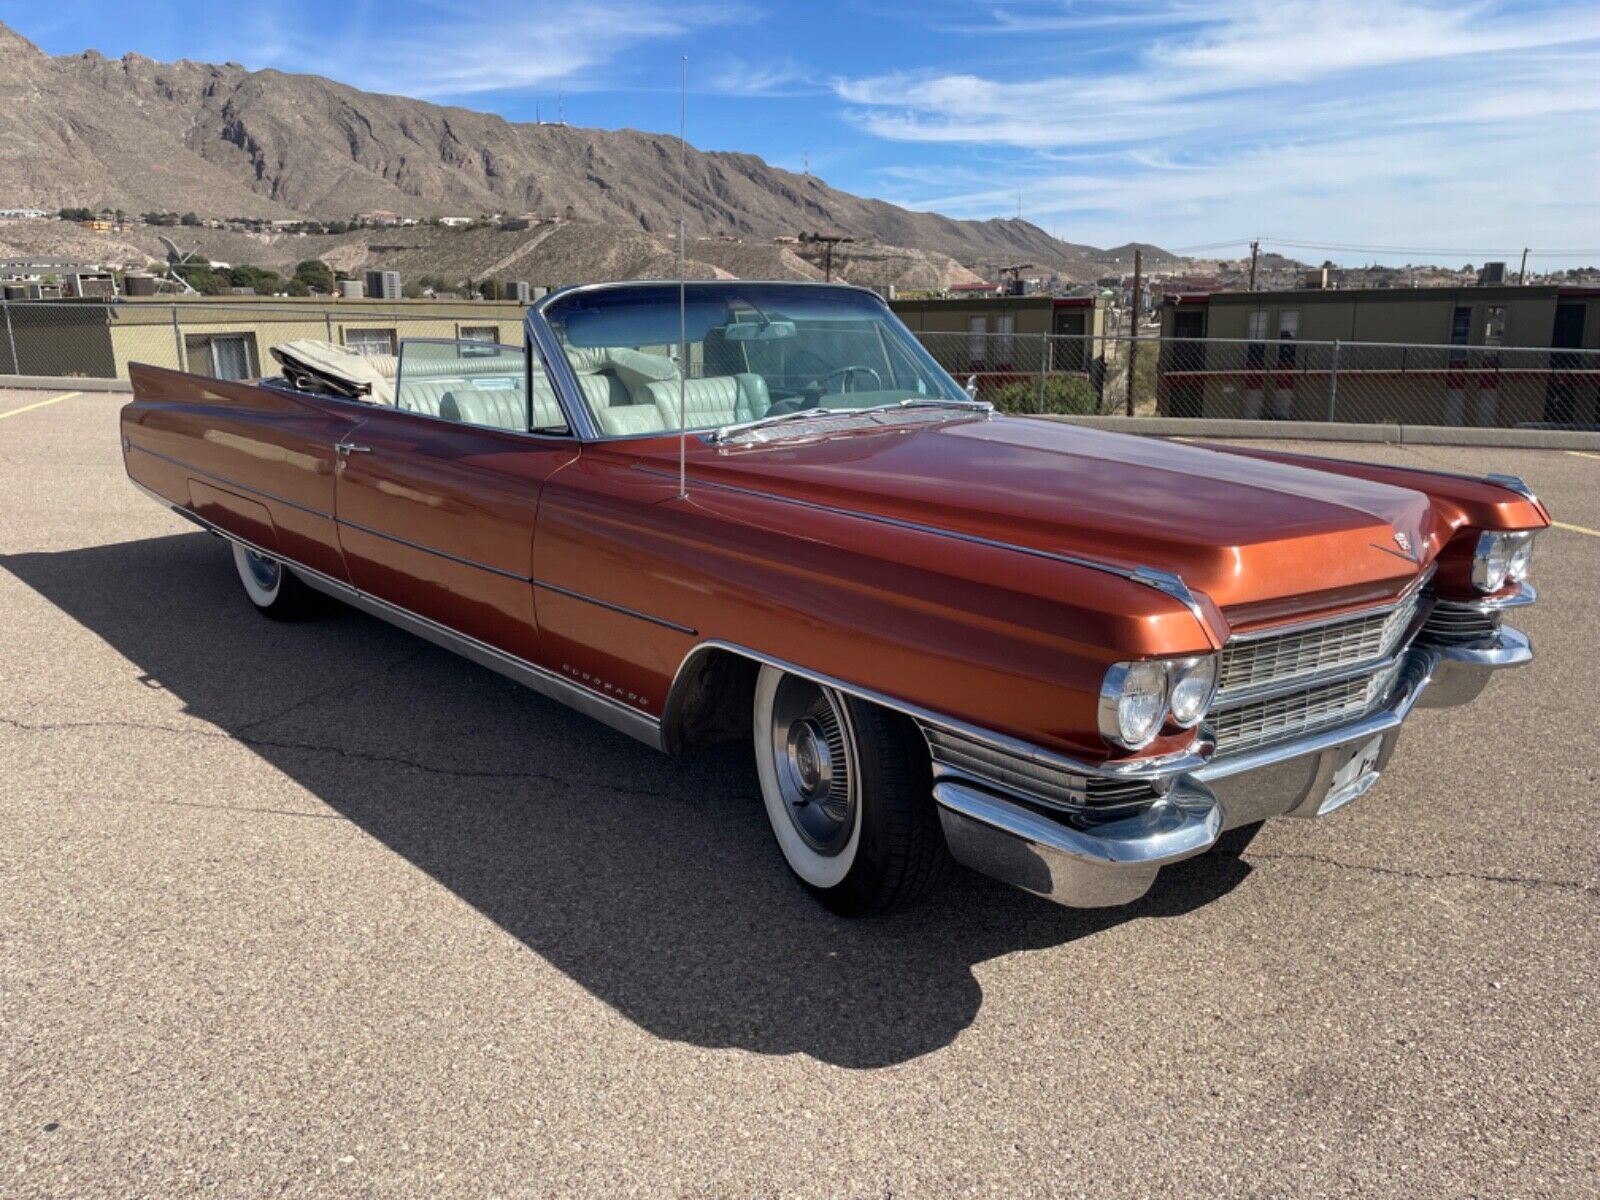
[
  {"x": 1194, "y": 682},
  {"x": 1499, "y": 557},
  {"x": 1521, "y": 556}
]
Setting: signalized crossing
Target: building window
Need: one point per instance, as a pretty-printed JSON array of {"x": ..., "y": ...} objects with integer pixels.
[
  {"x": 221, "y": 355},
  {"x": 489, "y": 335},
  {"x": 1460, "y": 333},
  {"x": 1005, "y": 324},
  {"x": 1494, "y": 327},
  {"x": 977, "y": 337},
  {"x": 1288, "y": 331},
  {"x": 1255, "y": 353},
  {"x": 370, "y": 342}
]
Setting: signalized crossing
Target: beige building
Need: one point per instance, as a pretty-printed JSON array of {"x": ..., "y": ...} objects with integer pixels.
[
  {"x": 228, "y": 337},
  {"x": 1485, "y": 355},
  {"x": 1004, "y": 333}
]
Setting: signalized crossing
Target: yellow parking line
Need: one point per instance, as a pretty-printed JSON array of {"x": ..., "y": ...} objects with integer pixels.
[
  {"x": 1576, "y": 528},
  {"x": 1583, "y": 454},
  {"x": 39, "y": 404}
]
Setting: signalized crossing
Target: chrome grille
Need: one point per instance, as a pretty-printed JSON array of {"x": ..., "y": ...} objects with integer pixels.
[
  {"x": 1270, "y": 660},
  {"x": 1031, "y": 777},
  {"x": 1315, "y": 708}
]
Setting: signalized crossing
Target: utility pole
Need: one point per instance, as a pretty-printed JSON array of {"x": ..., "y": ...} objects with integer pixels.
[
  {"x": 1133, "y": 342},
  {"x": 829, "y": 241},
  {"x": 1522, "y": 274},
  {"x": 1255, "y": 252}
]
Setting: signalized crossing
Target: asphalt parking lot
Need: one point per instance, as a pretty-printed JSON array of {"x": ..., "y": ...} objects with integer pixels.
[{"x": 318, "y": 909}]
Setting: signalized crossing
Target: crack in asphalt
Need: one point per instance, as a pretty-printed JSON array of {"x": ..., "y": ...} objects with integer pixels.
[
  {"x": 1534, "y": 881},
  {"x": 336, "y": 688},
  {"x": 366, "y": 756}
]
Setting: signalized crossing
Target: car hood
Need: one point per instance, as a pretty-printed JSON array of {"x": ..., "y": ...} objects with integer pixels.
[{"x": 1262, "y": 539}]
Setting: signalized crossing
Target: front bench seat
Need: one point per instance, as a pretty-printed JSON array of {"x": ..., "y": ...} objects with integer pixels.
[{"x": 719, "y": 400}]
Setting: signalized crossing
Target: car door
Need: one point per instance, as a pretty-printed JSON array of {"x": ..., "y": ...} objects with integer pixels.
[{"x": 436, "y": 496}]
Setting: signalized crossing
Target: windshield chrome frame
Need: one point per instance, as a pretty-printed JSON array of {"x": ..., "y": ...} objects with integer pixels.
[{"x": 537, "y": 332}]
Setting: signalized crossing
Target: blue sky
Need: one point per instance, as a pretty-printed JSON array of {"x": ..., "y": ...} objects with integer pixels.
[{"x": 1450, "y": 131}]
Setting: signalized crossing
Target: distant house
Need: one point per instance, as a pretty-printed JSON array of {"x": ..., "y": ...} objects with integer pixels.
[
  {"x": 379, "y": 217},
  {"x": 22, "y": 214},
  {"x": 455, "y": 222},
  {"x": 976, "y": 289}
]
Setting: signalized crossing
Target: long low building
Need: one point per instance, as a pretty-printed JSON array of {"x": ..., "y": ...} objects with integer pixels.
[
  {"x": 1483, "y": 355},
  {"x": 229, "y": 337}
]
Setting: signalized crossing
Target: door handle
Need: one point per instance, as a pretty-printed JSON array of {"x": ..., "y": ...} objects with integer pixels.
[{"x": 347, "y": 448}]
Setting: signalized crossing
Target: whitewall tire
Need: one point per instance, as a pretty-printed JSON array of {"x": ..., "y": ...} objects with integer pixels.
[
  {"x": 271, "y": 586},
  {"x": 848, "y": 794}
]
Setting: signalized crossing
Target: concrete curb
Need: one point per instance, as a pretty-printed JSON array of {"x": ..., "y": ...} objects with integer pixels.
[
  {"x": 1333, "y": 431},
  {"x": 63, "y": 383}
]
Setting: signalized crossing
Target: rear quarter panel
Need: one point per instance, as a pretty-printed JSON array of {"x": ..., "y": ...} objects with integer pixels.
[{"x": 255, "y": 461}]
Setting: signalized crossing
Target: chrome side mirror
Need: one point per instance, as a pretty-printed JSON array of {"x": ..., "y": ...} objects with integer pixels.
[{"x": 972, "y": 387}]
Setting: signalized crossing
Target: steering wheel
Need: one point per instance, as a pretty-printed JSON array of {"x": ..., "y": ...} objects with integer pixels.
[
  {"x": 814, "y": 391},
  {"x": 847, "y": 373}
]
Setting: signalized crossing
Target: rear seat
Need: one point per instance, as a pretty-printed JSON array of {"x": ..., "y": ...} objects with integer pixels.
[{"x": 719, "y": 400}]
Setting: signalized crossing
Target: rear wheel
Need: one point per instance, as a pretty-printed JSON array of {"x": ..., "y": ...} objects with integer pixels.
[
  {"x": 271, "y": 586},
  {"x": 848, "y": 793}
]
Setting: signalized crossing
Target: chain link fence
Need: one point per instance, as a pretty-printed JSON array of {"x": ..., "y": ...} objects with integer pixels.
[{"x": 1147, "y": 376}]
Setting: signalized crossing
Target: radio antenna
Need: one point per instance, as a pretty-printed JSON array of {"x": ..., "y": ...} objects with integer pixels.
[{"x": 683, "y": 315}]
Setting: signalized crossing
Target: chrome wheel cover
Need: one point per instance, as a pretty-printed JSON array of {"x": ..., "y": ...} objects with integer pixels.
[
  {"x": 813, "y": 763},
  {"x": 265, "y": 571}
]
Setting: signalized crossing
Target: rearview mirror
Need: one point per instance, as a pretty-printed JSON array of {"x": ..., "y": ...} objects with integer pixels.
[
  {"x": 972, "y": 387},
  {"x": 757, "y": 331}
]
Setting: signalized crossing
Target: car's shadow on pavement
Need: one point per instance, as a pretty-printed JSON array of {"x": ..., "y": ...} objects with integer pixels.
[{"x": 652, "y": 882}]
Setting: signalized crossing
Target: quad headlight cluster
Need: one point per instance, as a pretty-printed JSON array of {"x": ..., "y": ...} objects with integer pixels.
[
  {"x": 1501, "y": 557},
  {"x": 1139, "y": 698}
]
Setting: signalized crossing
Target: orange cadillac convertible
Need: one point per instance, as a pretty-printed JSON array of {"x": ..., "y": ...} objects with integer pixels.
[{"x": 761, "y": 511}]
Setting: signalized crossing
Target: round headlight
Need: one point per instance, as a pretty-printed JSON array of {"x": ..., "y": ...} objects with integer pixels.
[
  {"x": 1491, "y": 562},
  {"x": 1133, "y": 703},
  {"x": 1194, "y": 680},
  {"x": 1521, "y": 556}
]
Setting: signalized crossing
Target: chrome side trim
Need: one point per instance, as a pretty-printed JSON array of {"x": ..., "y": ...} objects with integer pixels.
[
  {"x": 1162, "y": 581},
  {"x": 378, "y": 533},
  {"x": 445, "y": 554},
  {"x": 607, "y": 711},
  {"x": 616, "y": 608},
  {"x": 1154, "y": 767},
  {"x": 224, "y": 480}
]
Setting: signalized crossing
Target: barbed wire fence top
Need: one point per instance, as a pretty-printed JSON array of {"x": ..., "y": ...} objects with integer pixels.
[{"x": 1149, "y": 375}]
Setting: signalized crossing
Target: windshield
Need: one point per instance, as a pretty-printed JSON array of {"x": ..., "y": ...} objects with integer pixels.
[{"x": 754, "y": 350}]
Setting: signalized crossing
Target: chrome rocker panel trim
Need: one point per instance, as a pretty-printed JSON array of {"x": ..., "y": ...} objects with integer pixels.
[{"x": 603, "y": 709}]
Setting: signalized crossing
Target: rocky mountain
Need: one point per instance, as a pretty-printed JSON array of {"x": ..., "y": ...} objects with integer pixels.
[{"x": 224, "y": 141}]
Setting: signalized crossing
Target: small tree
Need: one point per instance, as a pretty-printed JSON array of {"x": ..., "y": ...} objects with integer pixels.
[
  {"x": 315, "y": 274},
  {"x": 189, "y": 218}
]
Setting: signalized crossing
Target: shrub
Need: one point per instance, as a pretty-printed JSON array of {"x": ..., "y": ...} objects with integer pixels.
[{"x": 1062, "y": 394}]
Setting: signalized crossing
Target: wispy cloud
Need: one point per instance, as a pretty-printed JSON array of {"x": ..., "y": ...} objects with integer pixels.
[
  {"x": 462, "y": 48},
  {"x": 1286, "y": 111},
  {"x": 772, "y": 78}
]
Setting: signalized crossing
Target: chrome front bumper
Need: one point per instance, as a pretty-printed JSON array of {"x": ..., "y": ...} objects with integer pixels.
[{"x": 1101, "y": 863}]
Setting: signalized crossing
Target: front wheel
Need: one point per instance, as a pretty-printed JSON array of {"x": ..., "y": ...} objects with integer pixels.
[
  {"x": 849, "y": 795},
  {"x": 271, "y": 586}
]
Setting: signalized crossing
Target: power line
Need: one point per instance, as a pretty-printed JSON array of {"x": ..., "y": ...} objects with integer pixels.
[{"x": 1351, "y": 248}]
